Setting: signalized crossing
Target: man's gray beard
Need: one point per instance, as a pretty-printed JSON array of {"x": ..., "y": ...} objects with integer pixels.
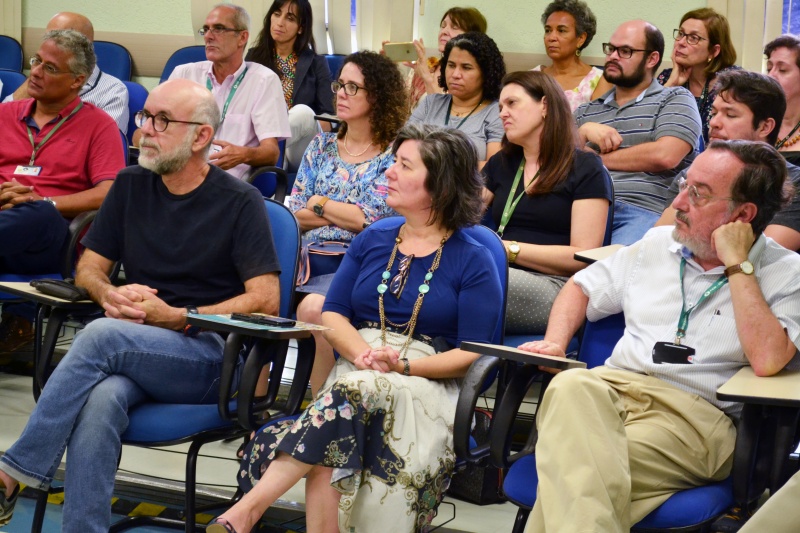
[
  {"x": 163, "y": 164},
  {"x": 701, "y": 250}
]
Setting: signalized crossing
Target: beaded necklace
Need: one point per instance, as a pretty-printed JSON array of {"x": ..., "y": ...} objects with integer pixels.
[
  {"x": 788, "y": 140},
  {"x": 423, "y": 290}
]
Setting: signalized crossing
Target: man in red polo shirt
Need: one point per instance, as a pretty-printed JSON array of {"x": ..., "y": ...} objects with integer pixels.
[{"x": 58, "y": 157}]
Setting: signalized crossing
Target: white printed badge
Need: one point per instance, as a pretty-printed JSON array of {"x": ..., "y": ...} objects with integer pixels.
[{"x": 27, "y": 171}]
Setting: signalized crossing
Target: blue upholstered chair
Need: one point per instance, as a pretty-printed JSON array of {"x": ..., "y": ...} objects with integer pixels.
[
  {"x": 10, "y": 54},
  {"x": 335, "y": 62},
  {"x": 155, "y": 424},
  {"x": 114, "y": 59},
  {"x": 688, "y": 510},
  {"x": 188, "y": 54},
  {"x": 137, "y": 96},
  {"x": 11, "y": 80},
  {"x": 272, "y": 180}
]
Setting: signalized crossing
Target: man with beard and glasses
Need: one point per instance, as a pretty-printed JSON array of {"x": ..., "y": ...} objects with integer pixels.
[
  {"x": 645, "y": 133},
  {"x": 750, "y": 107},
  {"x": 701, "y": 300},
  {"x": 193, "y": 239}
]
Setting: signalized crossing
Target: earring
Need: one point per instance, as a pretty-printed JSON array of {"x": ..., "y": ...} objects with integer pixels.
[
  {"x": 578, "y": 52},
  {"x": 709, "y": 59}
]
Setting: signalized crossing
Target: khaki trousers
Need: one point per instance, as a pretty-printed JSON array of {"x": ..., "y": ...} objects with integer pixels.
[
  {"x": 780, "y": 514},
  {"x": 614, "y": 445}
]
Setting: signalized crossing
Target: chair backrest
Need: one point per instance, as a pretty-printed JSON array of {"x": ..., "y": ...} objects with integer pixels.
[
  {"x": 188, "y": 54},
  {"x": 137, "y": 96},
  {"x": 114, "y": 59},
  {"x": 335, "y": 62},
  {"x": 286, "y": 235},
  {"x": 610, "y": 218},
  {"x": 11, "y": 80},
  {"x": 599, "y": 339},
  {"x": 271, "y": 181},
  {"x": 10, "y": 54}
]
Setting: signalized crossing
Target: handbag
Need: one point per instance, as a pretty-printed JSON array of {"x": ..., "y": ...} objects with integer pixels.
[
  {"x": 318, "y": 258},
  {"x": 64, "y": 289},
  {"x": 478, "y": 483}
]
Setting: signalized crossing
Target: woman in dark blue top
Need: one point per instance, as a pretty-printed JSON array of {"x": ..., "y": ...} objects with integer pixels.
[
  {"x": 286, "y": 45},
  {"x": 376, "y": 446}
]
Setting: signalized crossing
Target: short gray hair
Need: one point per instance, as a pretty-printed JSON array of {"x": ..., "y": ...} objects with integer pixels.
[
  {"x": 241, "y": 18},
  {"x": 585, "y": 21},
  {"x": 79, "y": 46},
  {"x": 207, "y": 112}
]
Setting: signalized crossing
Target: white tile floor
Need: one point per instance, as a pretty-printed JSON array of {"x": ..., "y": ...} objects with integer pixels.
[{"x": 216, "y": 467}]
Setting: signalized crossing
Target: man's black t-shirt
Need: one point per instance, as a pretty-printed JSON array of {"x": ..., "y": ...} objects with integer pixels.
[{"x": 197, "y": 248}]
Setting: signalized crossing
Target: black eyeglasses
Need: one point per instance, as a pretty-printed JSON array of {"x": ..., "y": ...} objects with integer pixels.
[
  {"x": 160, "y": 122},
  {"x": 398, "y": 282},
  {"x": 216, "y": 31},
  {"x": 625, "y": 52},
  {"x": 350, "y": 88},
  {"x": 691, "y": 38}
]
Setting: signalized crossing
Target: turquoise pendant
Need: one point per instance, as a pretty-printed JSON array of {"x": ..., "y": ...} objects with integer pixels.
[
  {"x": 382, "y": 288},
  {"x": 386, "y": 274},
  {"x": 423, "y": 289},
  {"x": 429, "y": 276}
]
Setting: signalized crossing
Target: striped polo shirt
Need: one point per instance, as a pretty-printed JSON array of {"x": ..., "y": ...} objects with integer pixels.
[{"x": 657, "y": 112}]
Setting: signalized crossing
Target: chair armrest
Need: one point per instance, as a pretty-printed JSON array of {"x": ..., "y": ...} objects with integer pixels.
[
  {"x": 281, "y": 180},
  {"x": 596, "y": 254},
  {"x": 77, "y": 228},
  {"x": 472, "y": 387}
]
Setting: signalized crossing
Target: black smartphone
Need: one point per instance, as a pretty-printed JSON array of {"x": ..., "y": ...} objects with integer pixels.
[{"x": 265, "y": 320}]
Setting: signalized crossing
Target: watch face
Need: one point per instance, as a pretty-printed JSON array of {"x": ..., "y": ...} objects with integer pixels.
[
  {"x": 318, "y": 210},
  {"x": 514, "y": 248},
  {"x": 747, "y": 267}
]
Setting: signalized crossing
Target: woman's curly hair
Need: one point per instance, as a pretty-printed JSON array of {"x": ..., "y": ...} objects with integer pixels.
[
  {"x": 386, "y": 94},
  {"x": 486, "y": 54},
  {"x": 585, "y": 21}
]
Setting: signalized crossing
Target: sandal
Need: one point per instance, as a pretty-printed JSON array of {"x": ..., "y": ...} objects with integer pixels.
[
  {"x": 7, "y": 506},
  {"x": 220, "y": 525}
]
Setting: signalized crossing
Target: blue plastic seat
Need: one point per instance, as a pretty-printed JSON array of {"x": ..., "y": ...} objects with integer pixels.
[
  {"x": 114, "y": 59},
  {"x": 11, "y": 80},
  {"x": 335, "y": 62},
  {"x": 188, "y": 54},
  {"x": 10, "y": 54},
  {"x": 137, "y": 96}
]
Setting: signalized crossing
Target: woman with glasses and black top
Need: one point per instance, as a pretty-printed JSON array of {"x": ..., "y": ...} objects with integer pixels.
[
  {"x": 286, "y": 46},
  {"x": 472, "y": 70},
  {"x": 376, "y": 446},
  {"x": 341, "y": 186},
  {"x": 703, "y": 48}
]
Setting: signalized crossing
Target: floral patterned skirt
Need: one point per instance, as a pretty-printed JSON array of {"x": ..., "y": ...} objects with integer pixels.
[{"x": 389, "y": 438}]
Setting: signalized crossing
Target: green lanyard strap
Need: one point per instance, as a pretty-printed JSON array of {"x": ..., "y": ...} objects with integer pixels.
[
  {"x": 230, "y": 94},
  {"x": 683, "y": 321},
  {"x": 463, "y": 120},
  {"x": 37, "y": 147},
  {"x": 511, "y": 201}
]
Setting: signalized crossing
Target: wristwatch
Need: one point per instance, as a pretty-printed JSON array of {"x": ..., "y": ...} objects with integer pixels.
[
  {"x": 512, "y": 250},
  {"x": 49, "y": 200},
  {"x": 319, "y": 208},
  {"x": 745, "y": 267},
  {"x": 189, "y": 330}
]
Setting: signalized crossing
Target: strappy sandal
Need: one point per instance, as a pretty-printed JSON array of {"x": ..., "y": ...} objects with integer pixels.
[
  {"x": 7, "y": 506},
  {"x": 220, "y": 525}
]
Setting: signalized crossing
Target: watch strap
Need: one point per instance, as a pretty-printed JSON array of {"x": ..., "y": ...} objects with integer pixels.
[{"x": 735, "y": 269}]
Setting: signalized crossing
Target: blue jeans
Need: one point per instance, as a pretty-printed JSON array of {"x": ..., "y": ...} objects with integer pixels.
[
  {"x": 111, "y": 366},
  {"x": 631, "y": 223}
]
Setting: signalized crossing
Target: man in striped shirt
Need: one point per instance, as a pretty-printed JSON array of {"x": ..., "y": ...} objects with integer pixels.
[
  {"x": 101, "y": 89},
  {"x": 645, "y": 133}
]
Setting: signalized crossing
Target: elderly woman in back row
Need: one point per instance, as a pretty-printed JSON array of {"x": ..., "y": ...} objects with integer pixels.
[
  {"x": 377, "y": 444},
  {"x": 473, "y": 70}
]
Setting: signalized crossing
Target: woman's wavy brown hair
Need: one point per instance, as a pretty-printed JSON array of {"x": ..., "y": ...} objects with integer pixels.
[{"x": 386, "y": 94}]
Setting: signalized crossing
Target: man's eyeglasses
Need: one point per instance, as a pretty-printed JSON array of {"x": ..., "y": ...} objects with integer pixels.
[
  {"x": 398, "y": 282},
  {"x": 625, "y": 52},
  {"x": 695, "y": 197},
  {"x": 215, "y": 31},
  {"x": 160, "y": 122},
  {"x": 48, "y": 67},
  {"x": 350, "y": 88},
  {"x": 691, "y": 38}
]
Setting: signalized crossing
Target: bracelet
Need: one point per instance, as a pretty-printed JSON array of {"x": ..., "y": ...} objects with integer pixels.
[{"x": 406, "y": 367}]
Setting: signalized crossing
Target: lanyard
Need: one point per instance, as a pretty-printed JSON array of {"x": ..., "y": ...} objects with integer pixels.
[
  {"x": 450, "y": 106},
  {"x": 511, "y": 202},
  {"x": 37, "y": 147},
  {"x": 230, "y": 94},
  {"x": 683, "y": 321}
]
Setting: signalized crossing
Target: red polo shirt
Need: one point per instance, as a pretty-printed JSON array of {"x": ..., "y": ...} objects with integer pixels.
[{"x": 84, "y": 151}]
